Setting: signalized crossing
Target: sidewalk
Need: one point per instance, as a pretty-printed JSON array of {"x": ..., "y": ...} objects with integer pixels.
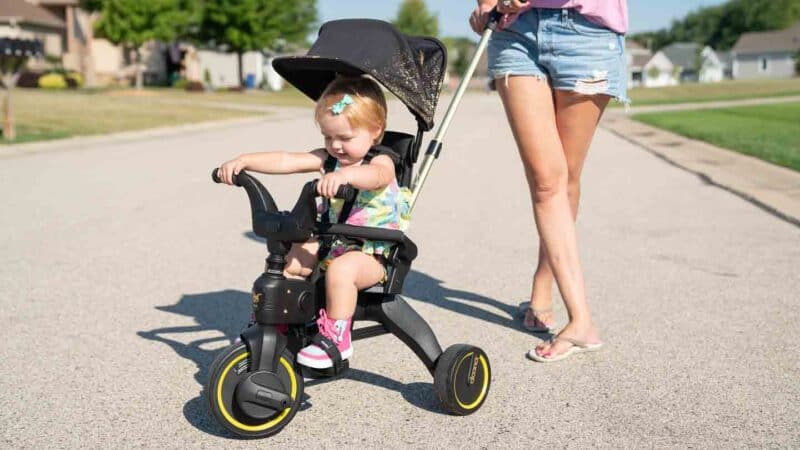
[{"x": 773, "y": 188}]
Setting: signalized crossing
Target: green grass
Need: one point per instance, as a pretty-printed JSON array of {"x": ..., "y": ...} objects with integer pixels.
[
  {"x": 769, "y": 132},
  {"x": 45, "y": 114},
  {"x": 289, "y": 96},
  {"x": 707, "y": 92}
]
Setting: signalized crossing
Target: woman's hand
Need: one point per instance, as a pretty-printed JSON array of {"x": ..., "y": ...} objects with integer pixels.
[
  {"x": 480, "y": 16},
  {"x": 231, "y": 168},
  {"x": 329, "y": 184},
  {"x": 511, "y": 6}
]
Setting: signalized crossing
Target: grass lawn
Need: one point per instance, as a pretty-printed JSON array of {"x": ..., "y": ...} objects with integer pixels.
[
  {"x": 769, "y": 132},
  {"x": 706, "y": 92},
  {"x": 44, "y": 114},
  {"x": 289, "y": 96}
]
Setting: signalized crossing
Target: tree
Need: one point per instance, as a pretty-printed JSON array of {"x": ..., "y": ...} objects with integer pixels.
[
  {"x": 720, "y": 26},
  {"x": 131, "y": 23},
  {"x": 461, "y": 51},
  {"x": 245, "y": 25},
  {"x": 414, "y": 18}
]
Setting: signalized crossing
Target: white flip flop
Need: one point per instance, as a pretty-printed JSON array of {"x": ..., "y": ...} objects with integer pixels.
[{"x": 577, "y": 347}]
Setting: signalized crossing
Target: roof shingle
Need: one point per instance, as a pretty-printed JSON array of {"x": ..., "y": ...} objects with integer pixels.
[
  {"x": 24, "y": 12},
  {"x": 787, "y": 39}
]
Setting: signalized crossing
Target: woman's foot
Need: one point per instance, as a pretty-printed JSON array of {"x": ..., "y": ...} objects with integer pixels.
[
  {"x": 572, "y": 339},
  {"x": 537, "y": 319}
]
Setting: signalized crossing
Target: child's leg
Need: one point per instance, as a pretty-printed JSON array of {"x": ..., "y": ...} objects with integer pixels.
[
  {"x": 301, "y": 260},
  {"x": 345, "y": 276}
]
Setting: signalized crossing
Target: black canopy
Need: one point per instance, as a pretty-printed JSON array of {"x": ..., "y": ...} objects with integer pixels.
[{"x": 410, "y": 67}]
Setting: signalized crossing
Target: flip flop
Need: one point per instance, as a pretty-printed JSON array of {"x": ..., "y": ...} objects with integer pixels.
[
  {"x": 523, "y": 310},
  {"x": 577, "y": 347}
]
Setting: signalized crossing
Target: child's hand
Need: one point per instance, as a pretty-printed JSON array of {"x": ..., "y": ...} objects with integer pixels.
[
  {"x": 329, "y": 184},
  {"x": 231, "y": 168}
]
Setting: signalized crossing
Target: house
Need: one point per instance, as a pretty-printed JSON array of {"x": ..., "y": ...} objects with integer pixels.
[
  {"x": 712, "y": 66},
  {"x": 66, "y": 32},
  {"x": 637, "y": 56},
  {"x": 21, "y": 20},
  {"x": 682, "y": 62},
  {"x": 767, "y": 54}
]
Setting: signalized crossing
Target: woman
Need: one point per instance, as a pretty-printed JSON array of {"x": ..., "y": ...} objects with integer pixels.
[{"x": 556, "y": 64}]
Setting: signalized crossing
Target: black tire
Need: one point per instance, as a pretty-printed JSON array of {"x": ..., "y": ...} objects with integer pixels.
[
  {"x": 229, "y": 368},
  {"x": 462, "y": 379}
]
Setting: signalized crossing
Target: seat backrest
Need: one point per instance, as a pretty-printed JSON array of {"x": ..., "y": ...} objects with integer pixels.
[{"x": 402, "y": 144}]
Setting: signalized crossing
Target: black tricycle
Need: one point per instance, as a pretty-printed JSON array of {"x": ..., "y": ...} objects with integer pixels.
[{"x": 254, "y": 387}]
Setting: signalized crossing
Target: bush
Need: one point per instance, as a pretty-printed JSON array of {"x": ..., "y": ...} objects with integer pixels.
[
  {"x": 29, "y": 79},
  {"x": 52, "y": 81},
  {"x": 180, "y": 83},
  {"x": 195, "y": 86},
  {"x": 74, "y": 80}
]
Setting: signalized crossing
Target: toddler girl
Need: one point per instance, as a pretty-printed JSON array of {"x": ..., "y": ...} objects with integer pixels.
[{"x": 351, "y": 114}]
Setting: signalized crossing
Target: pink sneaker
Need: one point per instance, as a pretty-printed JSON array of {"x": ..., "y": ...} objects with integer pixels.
[{"x": 331, "y": 331}]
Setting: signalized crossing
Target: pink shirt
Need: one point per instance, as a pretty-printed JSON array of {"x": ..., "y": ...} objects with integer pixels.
[{"x": 608, "y": 13}]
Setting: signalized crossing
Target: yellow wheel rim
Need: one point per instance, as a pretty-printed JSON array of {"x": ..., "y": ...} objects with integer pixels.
[
  {"x": 264, "y": 426},
  {"x": 484, "y": 388}
]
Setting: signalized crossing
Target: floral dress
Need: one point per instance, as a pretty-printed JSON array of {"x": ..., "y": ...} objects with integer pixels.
[{"x": 388, "y": 207}]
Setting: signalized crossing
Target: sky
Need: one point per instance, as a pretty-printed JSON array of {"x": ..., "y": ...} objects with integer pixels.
[{"x": 643, "y": 15}]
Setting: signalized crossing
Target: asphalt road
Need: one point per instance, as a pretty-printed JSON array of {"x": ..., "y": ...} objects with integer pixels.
[{"x": 123, "y": 269}]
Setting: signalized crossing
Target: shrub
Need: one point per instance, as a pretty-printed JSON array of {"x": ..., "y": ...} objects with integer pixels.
[
  {"x": 195, "y": 86},
  {"x": 180, "y": 83},
  {"x": 29, "y": 79},
  {"x": 74, "y": 79},
  {"x": 52, "y": 81}
]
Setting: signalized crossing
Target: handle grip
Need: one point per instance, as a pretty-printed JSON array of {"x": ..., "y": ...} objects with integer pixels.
[
  {"x": 494, "y": 16},
  {"x": 346, "y": 191},
  {"x": 215, "y": 177}
]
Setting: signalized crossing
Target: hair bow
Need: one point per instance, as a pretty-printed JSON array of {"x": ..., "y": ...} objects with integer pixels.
[{"x": 339, "y": 106}]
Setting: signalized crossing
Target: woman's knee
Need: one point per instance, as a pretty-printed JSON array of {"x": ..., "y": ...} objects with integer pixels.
[
  {"x": 573, "y": 187},
  {"x": 548, "y": 184}
]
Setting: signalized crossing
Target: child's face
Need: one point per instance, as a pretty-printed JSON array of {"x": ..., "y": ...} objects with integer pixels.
[{"x": 347, "y": 144}]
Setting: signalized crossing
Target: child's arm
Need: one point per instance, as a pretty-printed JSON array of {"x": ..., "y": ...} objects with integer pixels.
[
  {"x": 375, "y": 175},
  {"x": 274, "y": 163}
]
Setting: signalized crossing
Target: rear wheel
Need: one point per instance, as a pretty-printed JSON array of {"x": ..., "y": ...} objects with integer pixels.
[
  {"x": 462, "y": 378},
  {"x": 230, "y": 368}
]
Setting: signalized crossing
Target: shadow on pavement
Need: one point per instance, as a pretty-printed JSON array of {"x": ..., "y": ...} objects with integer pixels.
[
  {"x": 223, "y": 311},
  {"x": 227, "y": 312},
  {"x": 428, "y": 289}
]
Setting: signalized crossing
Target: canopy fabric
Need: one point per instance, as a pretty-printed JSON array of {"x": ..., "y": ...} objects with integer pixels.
[{"x": 411, "y": 67}]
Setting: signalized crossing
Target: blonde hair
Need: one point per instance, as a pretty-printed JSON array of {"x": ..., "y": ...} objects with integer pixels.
[{"x": 368, "y": 109}]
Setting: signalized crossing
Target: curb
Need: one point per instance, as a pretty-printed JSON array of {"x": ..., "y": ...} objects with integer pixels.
[{"x": 20, "y": 150}]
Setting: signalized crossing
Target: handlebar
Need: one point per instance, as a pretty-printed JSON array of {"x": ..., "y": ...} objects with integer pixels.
[{"x": 346, "y": 192}]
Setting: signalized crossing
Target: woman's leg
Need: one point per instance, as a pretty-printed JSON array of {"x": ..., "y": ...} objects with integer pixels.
[
  {"x": 531, "y": 113},
  {"x": 577, "y": 116},
  {"x": 346, "y": 275}
]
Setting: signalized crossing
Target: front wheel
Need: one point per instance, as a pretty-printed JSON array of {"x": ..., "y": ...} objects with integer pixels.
[
  {"x": 462, "y": 378},
  {"x": 230, "y": 368}
]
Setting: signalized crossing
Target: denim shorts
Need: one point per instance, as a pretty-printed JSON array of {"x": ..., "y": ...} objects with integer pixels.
[{"x": 564, "y": 48}]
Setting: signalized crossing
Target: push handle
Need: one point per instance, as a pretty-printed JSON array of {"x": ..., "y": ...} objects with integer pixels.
[{"x": 435, "y": 146}]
